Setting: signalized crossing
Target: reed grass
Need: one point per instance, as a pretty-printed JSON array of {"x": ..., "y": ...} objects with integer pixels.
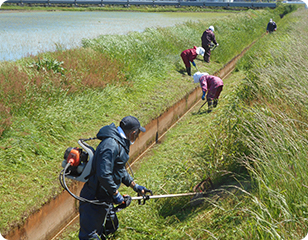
[{"x": 277, "y": 136}]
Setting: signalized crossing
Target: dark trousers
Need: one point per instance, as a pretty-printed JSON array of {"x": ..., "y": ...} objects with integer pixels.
[
  {"x": 185, "y": 59},
  {"x": 96, "y": 221},
  {"x": 207, "y": 54},
  {"x": 214, "y": 94}
]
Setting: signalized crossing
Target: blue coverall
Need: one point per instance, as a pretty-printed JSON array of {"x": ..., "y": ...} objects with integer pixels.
[{"x": 108, "y": 172}]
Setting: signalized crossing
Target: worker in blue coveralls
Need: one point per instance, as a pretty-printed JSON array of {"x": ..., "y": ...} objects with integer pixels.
[
  {"x": 271, "y": 26},
  {"x": 108, "y": 172}
]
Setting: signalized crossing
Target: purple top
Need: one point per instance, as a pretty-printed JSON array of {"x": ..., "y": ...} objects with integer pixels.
[
  {"x": 191, "y": 53},
  {"x": 209, "y": 83},
  {"x": 207, "y": 37}
]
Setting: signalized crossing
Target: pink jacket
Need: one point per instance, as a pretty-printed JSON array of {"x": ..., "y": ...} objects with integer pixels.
[
  {"x": 190, "y": 54},
  {"x": 209, "y": 83}
]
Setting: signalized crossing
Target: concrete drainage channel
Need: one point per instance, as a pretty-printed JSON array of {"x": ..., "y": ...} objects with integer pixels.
[{"x": 49, "y": 221}]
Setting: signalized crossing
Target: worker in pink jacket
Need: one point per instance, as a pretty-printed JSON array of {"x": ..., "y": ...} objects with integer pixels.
[
  {"x": 212, "y": 85},
  {"x": 189, "y": 55}
]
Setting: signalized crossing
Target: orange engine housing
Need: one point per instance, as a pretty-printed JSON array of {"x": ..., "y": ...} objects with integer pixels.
[{"x": 74, "y": 157}]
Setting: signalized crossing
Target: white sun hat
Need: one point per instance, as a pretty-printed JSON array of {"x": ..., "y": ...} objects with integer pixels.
[
  {"x": 212, "y": 28},
  {"x": 198, "y": 75},
  {"x": 200, "y": 51}
]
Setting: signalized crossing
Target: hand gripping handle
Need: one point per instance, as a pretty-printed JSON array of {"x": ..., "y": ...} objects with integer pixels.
[{"x": 145, "y": 196}]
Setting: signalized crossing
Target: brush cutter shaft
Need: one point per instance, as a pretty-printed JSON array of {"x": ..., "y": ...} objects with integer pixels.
[
  {"x": 202, "y": 105},
  {"x": 163, "y": 196}
]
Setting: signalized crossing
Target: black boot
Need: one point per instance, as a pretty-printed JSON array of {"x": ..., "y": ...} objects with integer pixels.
[
  {"x": 215, "y": 103},
  {"x": 188, "y": 69},
  {"x": 209, "y": 105}
]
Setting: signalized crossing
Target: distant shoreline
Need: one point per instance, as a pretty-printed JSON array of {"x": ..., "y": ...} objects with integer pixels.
[{"x": 15, "y": 8}]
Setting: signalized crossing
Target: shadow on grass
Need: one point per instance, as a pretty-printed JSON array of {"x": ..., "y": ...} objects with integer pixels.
[
  {"x": 182, "y": 71},
  {"x": 199, "y": 112},
  {"x": 178, "y": 208}
]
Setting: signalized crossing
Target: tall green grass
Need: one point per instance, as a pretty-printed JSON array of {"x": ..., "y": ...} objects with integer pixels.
[
  {"x": 154, "y": 48},
  {"x": 275, "y": 130},
  {"x": 48, "y": 110}
]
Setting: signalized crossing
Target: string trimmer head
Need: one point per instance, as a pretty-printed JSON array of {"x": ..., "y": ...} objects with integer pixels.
[{"x": 201, "y": 189}]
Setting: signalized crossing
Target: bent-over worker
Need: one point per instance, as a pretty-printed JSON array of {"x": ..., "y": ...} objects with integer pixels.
[
  {"x": 189, "y": 55},
  {"x": 212, "y": 85},
  {"x": 271, "y": 26}
]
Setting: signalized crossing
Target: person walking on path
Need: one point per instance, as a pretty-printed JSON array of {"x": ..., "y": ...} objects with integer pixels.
[
  {"x": 189, "y": 55},
  {"x": 271, "y": 26},
  {"x": 207, "y": 38},
  {"x": 211, "y": 85},
  {"x": 107, "y": 174}
]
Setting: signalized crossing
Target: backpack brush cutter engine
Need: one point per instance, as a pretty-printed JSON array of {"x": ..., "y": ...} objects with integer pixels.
[{"x": 77, "y": 165}]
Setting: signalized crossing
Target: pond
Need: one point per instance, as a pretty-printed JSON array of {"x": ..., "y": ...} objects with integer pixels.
[{"x": 28, "y": 33}]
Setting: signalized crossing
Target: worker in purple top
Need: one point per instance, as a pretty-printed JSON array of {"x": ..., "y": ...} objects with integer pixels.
[
  {"x": 207, "y": 38},
  {"x": 212, "y": 85},
  {"x": 189, "y": 55}
]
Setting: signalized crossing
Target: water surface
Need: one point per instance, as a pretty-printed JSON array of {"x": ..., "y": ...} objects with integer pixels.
[{"x": 25, "y": 33}]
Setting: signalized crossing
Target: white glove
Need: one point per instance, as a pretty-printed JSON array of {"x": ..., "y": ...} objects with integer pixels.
[{"x": 217, "y": 44}]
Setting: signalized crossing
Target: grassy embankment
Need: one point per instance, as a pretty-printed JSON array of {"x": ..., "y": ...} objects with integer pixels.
[
  {"x": 253, "y": 146},
  {"x": 47, "y": 107}
]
